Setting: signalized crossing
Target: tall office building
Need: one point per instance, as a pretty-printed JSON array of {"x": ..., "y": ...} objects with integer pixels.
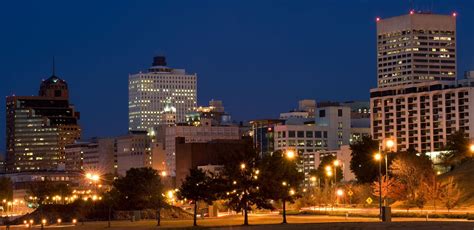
[
  {"x": 39, "y": 128},
  {"x": 161, "y": 95},
  {"x": 416, "y": 47}
]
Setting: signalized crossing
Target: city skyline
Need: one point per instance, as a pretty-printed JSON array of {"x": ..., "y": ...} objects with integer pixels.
[{"x": 275, "y": 45}]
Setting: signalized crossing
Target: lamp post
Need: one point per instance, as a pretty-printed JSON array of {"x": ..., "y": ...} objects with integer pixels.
[
  {"x": 378, "y": 157},
  {"x": 389, "y": 143},
  {"x": 290, "y": 155},
  {"x": 336, "y": 164}
]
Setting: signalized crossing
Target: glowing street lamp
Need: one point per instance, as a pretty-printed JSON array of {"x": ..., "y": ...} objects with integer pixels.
[
  {"x": 390, "y": 143},
  {"x": 170, "y": 194},
  {"x": 328, "y": 168},
  {"x": 329, "y": 173},
  {"x": 242, "y": 166},
  {"x": 93, "y": 177},
  {"x": 471, "y": 148},
  {"x": 339, "y": 192},
  {"x": 378, "y": 157},
  {"x": 290, "y": 154},
  {"x": 292, "y": 192}
]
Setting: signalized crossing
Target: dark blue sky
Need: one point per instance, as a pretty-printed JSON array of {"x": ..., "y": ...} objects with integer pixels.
[{"x": 259, "y": 57}]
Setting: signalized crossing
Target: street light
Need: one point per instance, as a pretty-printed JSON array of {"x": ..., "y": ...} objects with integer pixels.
[
  {"x": 471, "y": 148},
  {"x": 242, "y": 166},
  {"x": 292, "y": 192},
  {"x": 390, "y": 143},
  {"x": 163, "y": 173},
  {"x": 336, "y": 164},
  {"x": 329, "y": 173},
  {"x": 290, "y": 154},
  {"x": 378, "y": 157}
]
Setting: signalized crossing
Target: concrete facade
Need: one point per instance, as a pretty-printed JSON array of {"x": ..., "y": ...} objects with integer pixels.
[{"x": 422, "y": 116}]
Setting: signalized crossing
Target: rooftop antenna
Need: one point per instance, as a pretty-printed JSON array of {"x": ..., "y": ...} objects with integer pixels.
[{"x": 54, "y": 67}]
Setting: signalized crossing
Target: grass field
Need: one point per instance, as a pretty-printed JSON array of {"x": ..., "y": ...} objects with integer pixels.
[{"x": 267, "y": 222}]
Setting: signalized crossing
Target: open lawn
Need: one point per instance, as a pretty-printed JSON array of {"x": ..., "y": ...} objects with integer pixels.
[{"x": 273, "y": 222}]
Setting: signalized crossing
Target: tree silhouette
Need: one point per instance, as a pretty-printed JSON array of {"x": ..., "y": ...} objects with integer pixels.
[
  {"x": 240, "y": 184},
  {"x": 363, "y": 165},
  {"x": 197, "y": 187},
  {"x": 280, "y": 178}
]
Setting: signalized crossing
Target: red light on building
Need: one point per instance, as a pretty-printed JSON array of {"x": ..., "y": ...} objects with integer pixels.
[
  {"x": 269, "y": 129},
  {"x": 412, "y": 12},
  {"x": 377, "y": 19},
  {"x": 455, "y": 14}
]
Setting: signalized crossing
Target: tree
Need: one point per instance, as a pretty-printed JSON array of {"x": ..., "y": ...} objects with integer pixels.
[
  {"x": 196, "y": 187},
  {"x": 42, "y": 191},
  {"x": 457, "y": 149},
  {"x": 280, "y": 178},
  {"x": 362, "y": 163},
  {"x": 450, "y": 194},
  {"x": 6, "y": 188},
  {"x": 413, "y": 170},
  {"x": 392, "y": 188},
  {"x": 141, "y": 188},
  {"x": 433, "y": 190},
  {"x": 240, "y": 184}
]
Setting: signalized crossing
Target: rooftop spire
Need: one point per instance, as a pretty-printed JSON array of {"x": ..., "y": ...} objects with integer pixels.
[{"x": 54, "y": 67}]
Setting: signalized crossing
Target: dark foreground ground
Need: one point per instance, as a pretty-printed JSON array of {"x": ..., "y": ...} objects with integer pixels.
[{"x": 270, "y": 222}]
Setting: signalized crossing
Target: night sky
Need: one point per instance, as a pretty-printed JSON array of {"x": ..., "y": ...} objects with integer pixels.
[{"x": 259, "y": 57}]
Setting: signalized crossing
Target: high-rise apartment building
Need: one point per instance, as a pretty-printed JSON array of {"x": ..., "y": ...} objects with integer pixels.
[
  {"x": 421, "y": 116},
  {"x": 39, "y": 128},
  {"x": 416, "y": 47},
  {"x": 162, "y": 95}
]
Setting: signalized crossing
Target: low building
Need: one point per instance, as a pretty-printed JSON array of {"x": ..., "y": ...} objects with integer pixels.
[
  {"x": 134, "y": 151},
  {"x": 74, "y": 154},
  {"x": 204, "y": 155},
  {"x": 202, "y": 133},
  {"x": 22, "y": 181},
  {"x": 214, "y": 112},
  {"x": 262, "y": 133}
]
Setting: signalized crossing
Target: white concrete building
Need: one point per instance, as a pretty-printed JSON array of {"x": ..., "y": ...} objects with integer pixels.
[
  {"x": 134, "y": 151},
  {"x": 416, "y": 47},
  {"x": 195, "y": 134},
  {"x": 330, "y": 130},
  {"x": 421, "y": 116},
  {"x": 160, "y": 96},
  {"x": 336, "y": 120}
]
